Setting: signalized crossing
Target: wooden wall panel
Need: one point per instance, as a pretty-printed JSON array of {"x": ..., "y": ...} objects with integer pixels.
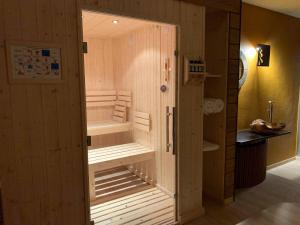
[
  {"x": 42, "y": 174},
  {"x": 98, "y": 65}
]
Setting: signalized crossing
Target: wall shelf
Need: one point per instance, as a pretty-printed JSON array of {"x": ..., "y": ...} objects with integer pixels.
[{"x": 208, "y": 146}]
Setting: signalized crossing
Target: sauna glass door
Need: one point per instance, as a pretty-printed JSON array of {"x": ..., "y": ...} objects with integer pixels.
[{"x": 167, "y": 97}]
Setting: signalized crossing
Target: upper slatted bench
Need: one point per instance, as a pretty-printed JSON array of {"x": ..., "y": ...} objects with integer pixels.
[{"x": 120, "y": 100}]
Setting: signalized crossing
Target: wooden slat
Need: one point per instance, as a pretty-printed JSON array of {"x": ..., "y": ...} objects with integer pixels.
[
  {"x": 124, "y": 93},
  {"x": 120, "y": 114},
  {"x": 119, "y": 119},
  {"x": 121, "y": 103},
  {"x": 142, "y": 115},
  {"x": 101, "y": 93},
  {"x": 120, "y": 108},
  {"x": 100, "y": 104},
  {"x": 124, "y": 98},
  {"x": 142, "y": 127},
  {"x": 142, "y": 121},
  {"x": 100, "y": 98}
]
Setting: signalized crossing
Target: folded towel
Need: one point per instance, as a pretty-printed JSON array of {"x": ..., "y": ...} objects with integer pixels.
[{"x": 213, "y": 105}]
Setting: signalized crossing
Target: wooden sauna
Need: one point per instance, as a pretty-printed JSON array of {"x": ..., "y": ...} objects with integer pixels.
[{"x": 130, "y": 69}]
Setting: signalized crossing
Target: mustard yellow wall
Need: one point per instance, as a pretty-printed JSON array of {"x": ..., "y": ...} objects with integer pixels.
[{"x": 279, "y": 82}]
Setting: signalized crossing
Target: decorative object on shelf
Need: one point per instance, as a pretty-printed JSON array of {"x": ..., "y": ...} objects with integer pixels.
[
  {"x": 263, "y": 54},
  {"x": 263, "y": 127},
  {"x": 243, "y": 69},
  {"x": 33, "y": 62},
  {"x": 213, "y": 105}
]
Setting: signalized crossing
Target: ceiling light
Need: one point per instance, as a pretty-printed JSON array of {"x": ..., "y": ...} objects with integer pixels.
[{"x": 115, "y": 21}]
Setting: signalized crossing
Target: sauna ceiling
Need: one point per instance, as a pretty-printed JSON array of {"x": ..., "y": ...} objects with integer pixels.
[{"x": 99, "y": 25}]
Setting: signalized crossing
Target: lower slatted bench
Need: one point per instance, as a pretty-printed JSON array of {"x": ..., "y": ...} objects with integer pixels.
[{"x": 114, "y": 156}]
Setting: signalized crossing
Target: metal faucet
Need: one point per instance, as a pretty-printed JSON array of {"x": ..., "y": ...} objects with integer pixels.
[{"x": 270, "y": 111}]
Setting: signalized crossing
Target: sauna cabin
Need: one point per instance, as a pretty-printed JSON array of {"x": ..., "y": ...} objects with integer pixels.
[{"x": 130, "y": 95}]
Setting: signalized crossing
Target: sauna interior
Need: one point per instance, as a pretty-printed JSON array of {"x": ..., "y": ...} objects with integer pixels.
[{"x": 130, "y": 69}]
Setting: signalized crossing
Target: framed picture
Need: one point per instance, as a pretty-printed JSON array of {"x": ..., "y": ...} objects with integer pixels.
[{"x": 31, "y": 62}]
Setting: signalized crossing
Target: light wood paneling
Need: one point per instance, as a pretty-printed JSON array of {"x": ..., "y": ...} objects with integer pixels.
[
  {"x": 98, "y": 64},
  {"x": 42, "y": 145}
]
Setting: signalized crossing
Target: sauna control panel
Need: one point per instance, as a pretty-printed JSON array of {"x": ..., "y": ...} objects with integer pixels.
[{"x": 194, "y": 70}]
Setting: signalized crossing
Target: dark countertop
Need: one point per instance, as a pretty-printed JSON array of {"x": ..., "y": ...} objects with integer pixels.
[{"x": 246, "y": 137}]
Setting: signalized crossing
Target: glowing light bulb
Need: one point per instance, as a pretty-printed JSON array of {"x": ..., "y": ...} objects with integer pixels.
[{"x": 250, "y": 52}]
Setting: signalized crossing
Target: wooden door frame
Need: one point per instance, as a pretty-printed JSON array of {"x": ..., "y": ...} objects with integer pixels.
[{"x": 80, "y": 8}]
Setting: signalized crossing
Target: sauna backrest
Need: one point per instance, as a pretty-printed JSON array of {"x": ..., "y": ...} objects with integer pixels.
[
  {"x": 124, "y": 97},
  {"x": 142, "y": 121},
  {"x": 101, "y": 98},
  {"x": 122, "y": 103}
]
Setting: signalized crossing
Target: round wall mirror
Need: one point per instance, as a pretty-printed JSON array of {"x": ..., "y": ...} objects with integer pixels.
[{"x": 243, "y": 69}]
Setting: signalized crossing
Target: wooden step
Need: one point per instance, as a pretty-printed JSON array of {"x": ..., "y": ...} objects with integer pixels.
[
  {"x": 118, "y": 155},
  {"x": 107, "y": 127}
]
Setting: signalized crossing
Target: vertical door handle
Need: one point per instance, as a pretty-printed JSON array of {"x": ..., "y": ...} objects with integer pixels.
[
  {"x": 174, "y": 131},
  {"x": 168, "y": 114}
]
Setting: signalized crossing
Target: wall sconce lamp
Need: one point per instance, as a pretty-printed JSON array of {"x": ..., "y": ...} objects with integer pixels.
[{"x": 263, "y": 55}]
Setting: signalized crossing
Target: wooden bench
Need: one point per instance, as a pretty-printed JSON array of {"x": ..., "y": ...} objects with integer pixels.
[
  {"x": 120, "y": 100},
  {"x": 119, "y": 155}
]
